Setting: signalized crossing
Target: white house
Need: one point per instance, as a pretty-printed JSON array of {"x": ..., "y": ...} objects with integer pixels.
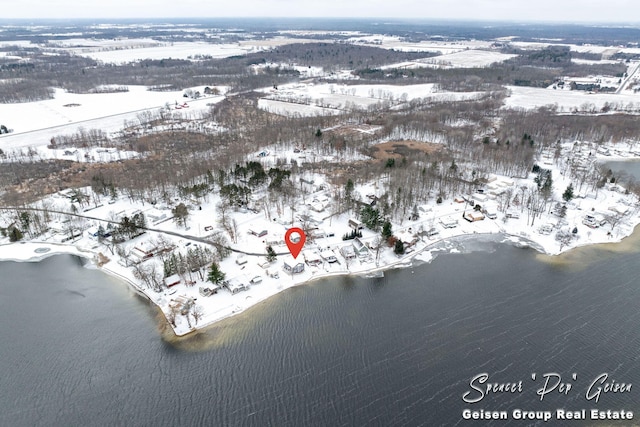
[{"x": 448, "y": 222}]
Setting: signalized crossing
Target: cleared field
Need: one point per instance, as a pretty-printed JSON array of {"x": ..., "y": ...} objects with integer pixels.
[{"x": 462, "y": 59}]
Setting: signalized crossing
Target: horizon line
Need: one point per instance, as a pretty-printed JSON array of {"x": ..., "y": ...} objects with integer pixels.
[{"x": 391, "y": 20}]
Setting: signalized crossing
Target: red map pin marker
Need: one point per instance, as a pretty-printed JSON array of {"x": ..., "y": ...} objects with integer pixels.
[{"x": 295, "y": 246}]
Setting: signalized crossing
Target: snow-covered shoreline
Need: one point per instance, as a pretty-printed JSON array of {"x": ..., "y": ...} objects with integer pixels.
[{"x": 35, "y": 251}]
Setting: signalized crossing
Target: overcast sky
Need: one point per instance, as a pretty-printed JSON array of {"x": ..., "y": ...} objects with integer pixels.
[{"x": 615, "y": 11}]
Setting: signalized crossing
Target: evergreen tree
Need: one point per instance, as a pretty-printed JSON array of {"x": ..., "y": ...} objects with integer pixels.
[
  {"x": 398, "y": 249},
  {"x": 271, "y": 254},
  {"x": 15, "y": 235},
  {"x": 370, "y": 217},
  {"x": 568, "y": 193},
  {"x": 386, "y": 230},
  {"x": 216, "y": 276}
]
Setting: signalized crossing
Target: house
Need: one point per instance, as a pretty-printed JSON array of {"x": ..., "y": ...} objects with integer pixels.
[
  {"x": 348, "y": 252},
  {"x": 360, "y": 248},
  {"x": 316, "y": 206},
  {"x": 235, "y": 285},
  {"x": 355, "y": 224},
  {"x": 172, "y": 280},
  {"x": 490, "y": 211},
  {"x": 474, "y": 216},
  {"x": 143, "y": 251},
  {"x": 448, "y": 222},
  {"x": 292, "y": 266},
  {"x": 260, "y": 233},
  {"x": 478, "y": 199},
  {"x": 241, "y": 260},
  {"x": 328, "y": 256},
  {"x": 512, "y": 213},
  {"x": 312, "y": 258},
  {"x": 156, "y": 216},
  {"x": 207, "y": 292}
]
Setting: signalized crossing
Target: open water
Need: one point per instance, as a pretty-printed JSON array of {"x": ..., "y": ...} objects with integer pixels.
[{"x": 78, "y": 348}]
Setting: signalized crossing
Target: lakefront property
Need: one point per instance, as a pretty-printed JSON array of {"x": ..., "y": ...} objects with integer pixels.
[{"x": 369, "y": 144}]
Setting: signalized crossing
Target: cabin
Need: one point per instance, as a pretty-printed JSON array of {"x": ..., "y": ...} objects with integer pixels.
[
  {"x": 207, "y": 292},
  {"x": 474, "y": 216},
  {"x": 448, "y": 222},
  {"x": 156, "y": 216},
  {"x": 143, "y": 251},
  {"x": 172, "y": 280},
  {"x": 348, "y": 252},
  {"x": 328, "y": 256},
  {"x": 235, "y": 285},
  {"x": 312, "y": 258},
  {"x": 291, "y": 266},
  {"x": 512, "y": 213},
  {"x": 360, "y": 248},
  {"x": 490, "y": 212},
  {"x": 355, "y": 224}
]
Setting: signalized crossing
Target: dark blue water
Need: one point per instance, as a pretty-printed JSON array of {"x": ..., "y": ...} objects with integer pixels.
[{"x": 78, "y": 348}]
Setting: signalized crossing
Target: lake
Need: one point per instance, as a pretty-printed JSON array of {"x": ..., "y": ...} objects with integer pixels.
[{"x": 80, "y": 348}]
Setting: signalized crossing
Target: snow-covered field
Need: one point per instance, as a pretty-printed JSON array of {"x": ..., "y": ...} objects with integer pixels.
[
  {"x": 460, "y": 59},
  {"x": 35, "y": 123},
  {"x": 396, "y": 43},
  {"x": 567, "y": 101},
  {"x": 605, "y": 51},
  {"x": 178, "y": 50},
  {"x": 73, "y": 107},
  {"x": 314, "y": 99}
]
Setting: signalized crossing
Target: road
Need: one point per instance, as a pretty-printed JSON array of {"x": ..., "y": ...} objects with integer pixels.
[
  {"x": 155, "y": 230},
  {"x": 632, "y": 71}
]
